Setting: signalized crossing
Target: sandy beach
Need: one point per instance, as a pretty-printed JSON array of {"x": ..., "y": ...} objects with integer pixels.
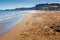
[{"x": 41, "y": 25}]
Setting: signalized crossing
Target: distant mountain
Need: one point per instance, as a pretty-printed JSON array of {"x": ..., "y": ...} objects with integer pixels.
[
  {"x": 32, "y": 8},
  {"x": 52, "y": 6}
]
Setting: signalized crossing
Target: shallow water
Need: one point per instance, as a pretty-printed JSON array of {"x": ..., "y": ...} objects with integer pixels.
[{"x": 9, "y": 19}]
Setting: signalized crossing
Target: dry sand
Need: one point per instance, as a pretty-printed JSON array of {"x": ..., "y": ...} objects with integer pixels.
[{"x": 42, "y": 25}]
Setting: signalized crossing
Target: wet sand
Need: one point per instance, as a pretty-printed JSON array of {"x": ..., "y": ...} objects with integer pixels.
[{"x": 42, "y": 25}]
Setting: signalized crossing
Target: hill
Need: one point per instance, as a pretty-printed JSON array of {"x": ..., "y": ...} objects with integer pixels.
[{"x": 52, "y": 6}]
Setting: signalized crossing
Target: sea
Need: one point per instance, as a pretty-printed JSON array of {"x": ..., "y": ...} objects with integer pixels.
[{"x": 9, "y": 19}]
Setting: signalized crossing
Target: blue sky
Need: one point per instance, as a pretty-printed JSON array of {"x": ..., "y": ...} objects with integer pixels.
[{"x": 11, "y": 4}]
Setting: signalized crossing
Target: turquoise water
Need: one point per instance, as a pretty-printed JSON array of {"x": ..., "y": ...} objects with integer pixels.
[{"x": 9, "y": 19}]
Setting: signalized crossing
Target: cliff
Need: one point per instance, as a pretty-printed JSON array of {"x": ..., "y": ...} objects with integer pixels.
[{"x": 52, "y": 6}]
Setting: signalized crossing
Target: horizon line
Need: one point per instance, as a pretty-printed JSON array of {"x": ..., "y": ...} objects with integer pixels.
[{"x": 28, "y": 7}]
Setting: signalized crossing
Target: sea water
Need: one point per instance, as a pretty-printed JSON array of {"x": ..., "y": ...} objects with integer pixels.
[{"x": 9, "y": 19}]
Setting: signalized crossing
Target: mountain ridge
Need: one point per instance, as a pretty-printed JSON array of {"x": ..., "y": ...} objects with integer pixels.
[{"x": 52, "y": 6}]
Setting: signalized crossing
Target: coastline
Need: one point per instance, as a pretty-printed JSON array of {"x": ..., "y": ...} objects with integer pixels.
[{"x": 14, "y": 34}]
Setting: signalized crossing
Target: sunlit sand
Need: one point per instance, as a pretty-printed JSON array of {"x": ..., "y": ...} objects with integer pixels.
[{"x": 41, "y": 25}]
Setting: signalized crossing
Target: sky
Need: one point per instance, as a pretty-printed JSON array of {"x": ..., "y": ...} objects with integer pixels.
[{"x": 11, "y": 4}]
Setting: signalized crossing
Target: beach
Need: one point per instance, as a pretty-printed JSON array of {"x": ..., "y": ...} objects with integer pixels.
[{"x": 36, "y": 26}]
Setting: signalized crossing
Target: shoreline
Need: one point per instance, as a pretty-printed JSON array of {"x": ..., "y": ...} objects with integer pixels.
[{"x": 14, "y": 34}]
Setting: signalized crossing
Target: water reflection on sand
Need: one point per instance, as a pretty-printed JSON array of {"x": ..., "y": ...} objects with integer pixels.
[{"x": 10, "y": 19}]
